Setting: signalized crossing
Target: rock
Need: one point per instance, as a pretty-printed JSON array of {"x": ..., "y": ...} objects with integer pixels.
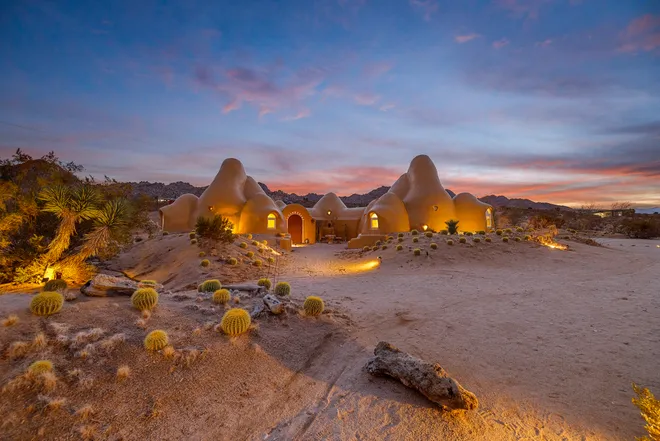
[
  {"x": 428, "y": 378},
  {"x": 103, "y": 285},
  {"x": 274, "y": 304},
  {"x": 258, "y": 309}
]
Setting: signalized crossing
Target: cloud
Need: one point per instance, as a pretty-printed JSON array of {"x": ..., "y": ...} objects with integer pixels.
[
  {"x": 499, "y": 44},
  {"x": 376, "y": 70},
  {"x": 544, "y": 43},
  {"x": 641, "y": 34},
  {"x": 366, "y": 99},
  {"x": 426, "y": 7},
  {"x": 386, "y": 107},
  {"x": 465, "y": 38},
  {"x": 305, "y": 113},
  {"x": 522, "y": 8}
]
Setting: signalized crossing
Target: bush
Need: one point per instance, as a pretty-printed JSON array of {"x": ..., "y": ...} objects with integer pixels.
[
  {"x": 488, "y": 239},
  {"x": 476, "y": 240},
  {"x": 282, "y": 289},
  {"x": 399, "y": 239},
  {"x": 257, "y": 263},
  {"x": 55, "y": 285},
  {"x": 211, "y": 285},
  {"x": 366, "y": 248},
  {"x": 232, "y": 261},
  {"x": 265, "y": 282},
  {"x": 649, "y": 407},
  {"x": 46, "y": 303},
  {"x": 202, "y": 254},
  {"x": 499, "y": 232},
  {"x": 400, "y": 235},
  {"x": 505, "y": 239},
  {"x": 399, "y": 247},
  {"x": 415, "y": 239},
  {"x": 205, "y": 263},
  {"x": 452, "y": 226},
  {"x": 243, "y": 245},
  {"x": 428, "y": 234},
  {"x": 250, "y": 254},
  {"x": 462, "y": 240},
  {"x": 144, "y": 298},
  {"x": 313, "y": 306},
  {"x": 235, "y": 322},
  {"x": 414, "y": 232},
  {"x": 450, "y": 242},
  {"x": 434, "y": 246},
  {"x": 156, "y": 340},
  {"x": 221, "y": 296},
  {"x": 417, "y": 251},
  {"x": 216, "y": 228},
  {"x": 640, "y": 228}
]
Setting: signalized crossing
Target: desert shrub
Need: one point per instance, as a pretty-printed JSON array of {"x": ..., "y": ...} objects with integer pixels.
[
  {"x": 476, "y": 240},
  {"x": 399, "y": 235},
  {"x": 415, "y": 239},
  {"x": 444, "y": 232},
  {"x": 399, "y": 239},
  {"x": 434, "y": 246},
  {"x": 216, "y": 228},
  {"x": 641, "y": 228},
  {"x": 378, "y": 243},
  {"x": 250, "y": 254},
  {"x": 205, "y": 263},
  {"x": 505, "y": 239},
  {"x": 211, "y": 285},
  {"x": 488, "y": 239},
  {"x": 469, "y": 233},
  {"x": 384, "y": 247},
  {"x": 520, "y": 229},
  {"x": 282, "y": 289},
  {"x": 428, "y": 234},
  {"x": 46, "y": 303},
  {"x": 144, "y": 298},
  {"x": 236, "y": 321},
  {"x": 417, "y": 251},
  {"x": 414, "y": 232},
  {"x": 499, "y": 232},
  {"x": 450, "y": 242},
  {"x": 528, "y": 237},
  {"x": 40, "y": 366},
  {"x": 462, "y": 240},
  {"x": 313, "y": 306},
  {"x": 165, "y": 233},
  {"x": 649, "y": 408},
  {"x": 221, "y": 296},
  {"x": 156, "y": 340},
  {"x": 55, "y": 285},
  {"x": 257, "y": 263},
  {"x": 517, "y": 239},
  {"x": 482, "y": 232},
  {"x": 366, "y": 248},
  {"x": 270, "y": 260},
  {"x": 543, "y": 221},
  {"x": 232, "y": 261},
  {"x": 242, "y": 245},
  {"x": 265, "y": 282},
  {"x": 191, "y": 235},
  {"x": 452, "y": 226}
]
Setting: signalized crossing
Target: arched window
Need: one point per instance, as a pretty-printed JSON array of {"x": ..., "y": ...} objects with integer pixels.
[
  {"x": 373, "y": 218},
  {"x": 489, "y": 218},
  {"x": 271, "y": 221}
]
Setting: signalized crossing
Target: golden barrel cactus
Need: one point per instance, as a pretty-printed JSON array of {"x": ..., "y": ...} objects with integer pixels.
[
  {"x": 144, "y": 298},
  {"x": 209, "y": 286},
  {"x": 40, "y": 366},
  {"x": 46, "y": 303},
  {"x": 156, "y": 340},
  {"x": 282, "y": 289},
  {"x": 236, "y": 321},
  {"x": 265, "y": 282},
  {"x": 313, "y": 305},
  {"x": 55, "y": 285},
  {"x": 221, "y": 296}
]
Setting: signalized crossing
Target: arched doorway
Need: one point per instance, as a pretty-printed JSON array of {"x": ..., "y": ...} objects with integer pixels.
[
  {"x": 295, "y": 227},
  {"x": 489, "y": 218}
]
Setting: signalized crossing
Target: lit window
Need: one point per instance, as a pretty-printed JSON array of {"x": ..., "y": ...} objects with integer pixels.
[
  {"x": 489, "y": 219},
  {"x": 374, "y": 221},
  {"x": 271, "y": 221}
]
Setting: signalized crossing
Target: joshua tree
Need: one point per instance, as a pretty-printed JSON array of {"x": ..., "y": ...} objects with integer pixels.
[{"x": 452, "y": 226}]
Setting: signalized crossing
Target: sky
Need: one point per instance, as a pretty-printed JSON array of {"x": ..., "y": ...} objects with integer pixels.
[{"x": 552, "y": 100}]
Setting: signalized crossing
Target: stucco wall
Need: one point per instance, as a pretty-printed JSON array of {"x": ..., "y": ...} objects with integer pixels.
[
  {"x": 309, "y": 226},
  {"x": 470, "y": 212},
  {"x": 179, "y": 215}
]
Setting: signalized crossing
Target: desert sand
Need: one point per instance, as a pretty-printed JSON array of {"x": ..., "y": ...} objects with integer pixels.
[{"x": 548, "y": 340}]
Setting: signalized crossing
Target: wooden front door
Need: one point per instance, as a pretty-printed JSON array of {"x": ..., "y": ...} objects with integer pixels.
[{"x": 295, "y": 227}]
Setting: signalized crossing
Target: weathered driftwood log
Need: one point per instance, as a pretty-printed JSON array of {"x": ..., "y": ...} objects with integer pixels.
[
  {"x": 428, "y": 378},
  {"x": 274, "y": 304},
  {"x": 254, "y": 288}
]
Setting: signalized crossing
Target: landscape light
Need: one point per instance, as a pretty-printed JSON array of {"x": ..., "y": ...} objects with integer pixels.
[
  {"x": 425, "y": 227},
  {"x": 329, "y": 212}
]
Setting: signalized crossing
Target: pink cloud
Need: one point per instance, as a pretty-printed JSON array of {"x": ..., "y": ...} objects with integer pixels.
[
  {"x": 544, "y": 43},
  {"x": 304, "y": 113},
  {"x": 427, "y": 7},
  {"x": 641, "y": 34},
  {"x": 499, "y": 44},
  {"x": 465, "y": 38},
  {"x": 367, "y": 99},
  {"x": 522, "y": 8},
  {"x": 386, "y": 107},
  {"x": 231, "y": 106}
]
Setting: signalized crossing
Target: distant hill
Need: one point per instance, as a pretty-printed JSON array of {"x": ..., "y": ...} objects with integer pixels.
[{"x": 176, "y": 189}]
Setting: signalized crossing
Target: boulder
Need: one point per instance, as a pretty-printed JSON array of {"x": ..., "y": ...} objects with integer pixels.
[{"x": 104, "y": 285}]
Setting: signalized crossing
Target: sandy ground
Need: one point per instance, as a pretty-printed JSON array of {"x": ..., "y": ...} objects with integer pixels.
[{"x": 548, "y": 340}]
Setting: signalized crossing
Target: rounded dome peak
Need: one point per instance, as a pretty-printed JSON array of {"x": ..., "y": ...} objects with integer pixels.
[
  {"x": 422, "y": 165},
  {"x": 329, "y": 201},
  {"x": 232, "y": 166}
]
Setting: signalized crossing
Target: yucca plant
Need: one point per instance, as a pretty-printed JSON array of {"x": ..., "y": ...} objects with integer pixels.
[{"x": 452, "y": 226}]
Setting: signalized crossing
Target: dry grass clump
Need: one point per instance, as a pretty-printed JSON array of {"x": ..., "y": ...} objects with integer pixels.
[
  {"x": 169, "y": 351},
  {"x": 40, "y": 341},
  {"x": 48, "y": 381},
  {"x": 221, "y": 296},
  {"x": 11, "y": 320},
  {"x": 18, "y": 349},
  {"x": 236, "y": 321},
  {"x": 313, "y": 306},
  {"x": 434, "y": 246},
  {"x": 462, "y": 240},
  {"x": 111, "y": 343},
  {"x": 649, "y": 407},
  {"x": 205, "y": 263},
  {"x": 46, "y": 303},
  {"x": 88, "y": 432},
  {"x": 123, "y": 372},
  {"x": 156, "y": 340},
  {"x": 265, "y": 282},
  {"x": 417, "y": 251},
  {"x": 197, "y": 332},
  {"x": 85, "y": 412},
  {"x": 52, "y": 404},
  {"x": 141, "y": 323},
  {"x": 146, "y": 314}
]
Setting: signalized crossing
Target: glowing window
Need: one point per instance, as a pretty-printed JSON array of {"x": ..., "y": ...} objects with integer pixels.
[
  {"x": 374, "y": 221},
  {"x": 489, "y": 219},
  {"x": 271, "y": 221}
]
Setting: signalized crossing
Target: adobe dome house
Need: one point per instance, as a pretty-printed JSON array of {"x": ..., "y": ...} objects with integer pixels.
[{"x": 417, "y": 200}]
